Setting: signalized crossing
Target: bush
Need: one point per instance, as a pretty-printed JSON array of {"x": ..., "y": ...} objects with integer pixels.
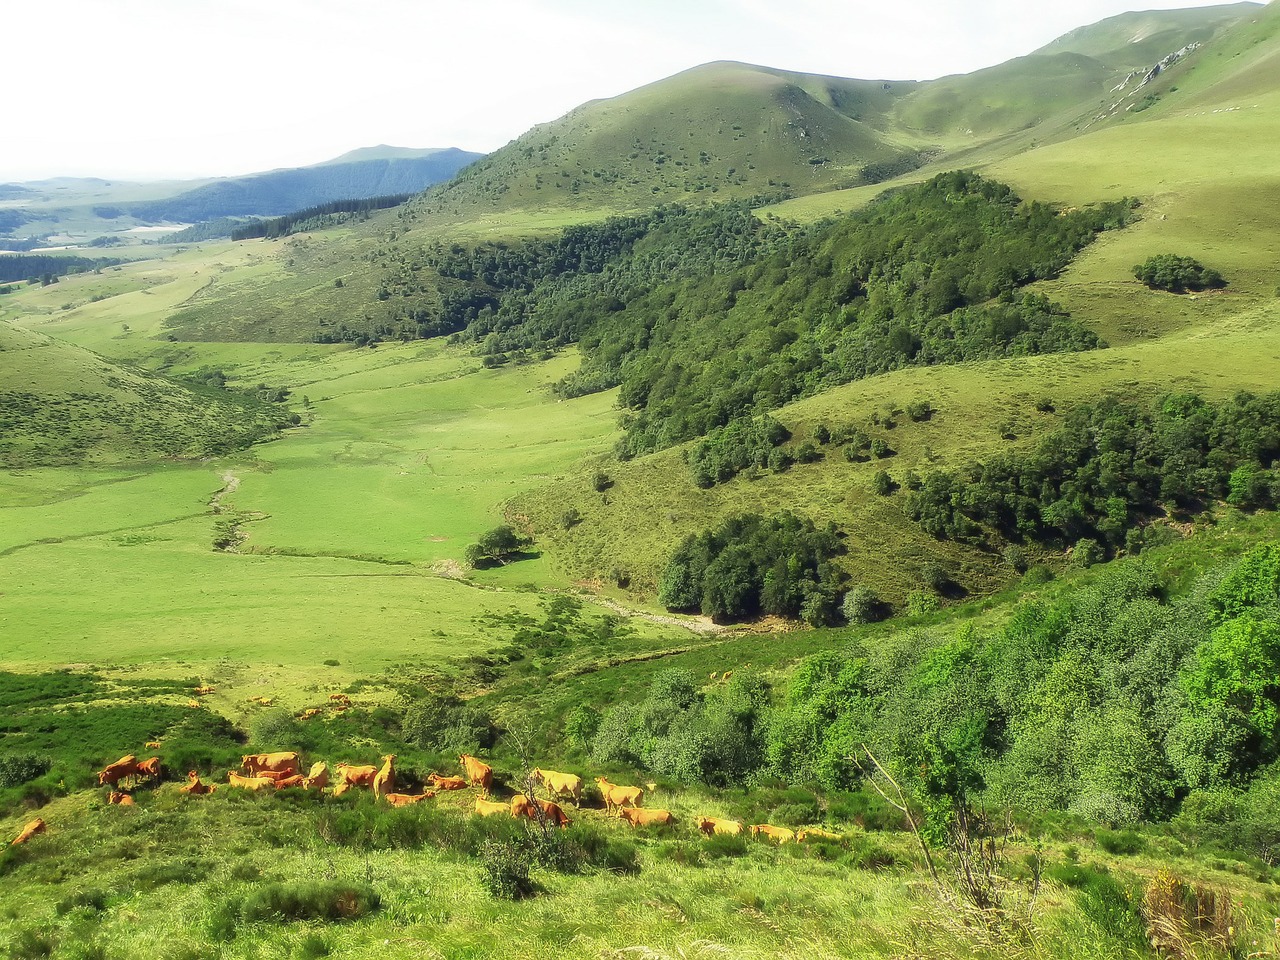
[
  {"x": 720, "y": 846},
  {"x": 920, "y": 602},
  {"x": 505, "y": 871},
  {"x": 882, "y": 484},
  {"x": 1122, "y": 843},
  {"x": 19, "y": 768},
  {"x": 316, "y": 900},
  {"x": 862, "y": 605}
]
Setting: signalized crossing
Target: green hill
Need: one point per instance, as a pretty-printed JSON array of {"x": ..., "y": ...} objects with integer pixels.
[{"x": 61, "y": 404}]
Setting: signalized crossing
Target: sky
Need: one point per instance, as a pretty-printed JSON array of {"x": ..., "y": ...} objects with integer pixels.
[{"x": 149, "y": 89}]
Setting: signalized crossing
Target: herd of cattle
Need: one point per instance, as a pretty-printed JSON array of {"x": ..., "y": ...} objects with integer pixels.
[{"x": 275, "y": 771}]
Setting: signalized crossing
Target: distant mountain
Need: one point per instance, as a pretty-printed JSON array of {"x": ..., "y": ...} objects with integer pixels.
[{"x": 372, "y": 172}]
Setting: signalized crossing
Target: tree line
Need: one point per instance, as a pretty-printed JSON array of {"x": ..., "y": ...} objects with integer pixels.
[{"x": 312, "y": 218}]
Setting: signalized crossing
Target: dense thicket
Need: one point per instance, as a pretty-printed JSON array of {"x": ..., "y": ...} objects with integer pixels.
[
  {"x": 313, "y": 218},
  {"x": 1107, "y": 468},
  {"x": 1167, "y": 271},
  {"x": 705, "y": 316},
  {"x": 751, "y": 564},
  {"x": 37, "y": 266},
  {"x": 1111, "y": 700}
]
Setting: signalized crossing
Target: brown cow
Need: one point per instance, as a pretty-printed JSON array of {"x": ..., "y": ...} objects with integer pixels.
[
  {"x": 646, "y": 818},
  {"x": 617, "y": 796},
  {"x": 193, "y": 704},
  {"x": 384, "y": 781},
  {"x": 204, "y": 690},
  {"x": 317, "y": 777},
  {"x": 258, "y": 764},
  {"x": 489, "y": 808},
  {"x": 195, "y": 787},
  {"x": 152, "y": 744},
  {"x": 297, "y": 780},
  {"x": 353, "y": 776},
  {"x": 30, "y": 830},
  {"x": 309, "y": 713},
  {"x": 446, "y": 783},
  {"x": 817, "y": 834},
  {"x": 249, "y": 783},
  {"x": 478, "y": 773},
  {"x": 149, "y": 767},
  {"x": 113, "y": 773},
  {"x": 779, "y": 835},
  {"x": 522, "y": 806},
  {"x": 405, "y": 799},
  {"x": 714, "y": 825},
  {"x": 560, "y": 784},
  {"x": 119, "y": 799}
]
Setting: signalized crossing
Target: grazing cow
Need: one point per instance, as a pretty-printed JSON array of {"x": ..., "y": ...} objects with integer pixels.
[
  {"x": 817, "y": 834},
  {"x": 617, "y": 796},
  {"x": 340, "y": 701},
  {"x": 264, "y": 701},
  {"x": 249, "y": 783},
  {"x": 349, "y": 776},
  {"x": 645, "y": 818},
  {"x": 478, "y": 774},
  {"x": 119, "y": 799},
  {"x": 149, "y": 767},
  {"x": 726, "y": 675},
  {"x": 489, "y": 808},
  {"x": 309, "y": 713},
  {"x": 30, "y": 830},
  {"x": 522, "y": 806},
  {"x": 297, "y": 780},
  {"x": 446, "y": 783},
  {"x": 317, "y": 777},
  {"x": 560, "y": 784},
  {"x": 193, "y": 704},
  {"x": 724, "y": 828},
  {"x": 384, "y": 781},
  {"x": 113, "y": 773},
  {"x": 152, "y": 744},
  {"x": 779, "y": 835},
  {"x": 204, "y": 690},
  {"x": 406, "y": 799},
  {"x": 258, "y": 764},
  {"x": 195, "y": 787}
]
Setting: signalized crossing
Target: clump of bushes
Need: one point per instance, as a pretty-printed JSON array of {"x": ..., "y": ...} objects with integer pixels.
[
  {"x": 1176, "y": 274},
  {"x": 316, "y": 900},
  {"x": 505, "y": 871},
  {"x": 20, "y": 768}
]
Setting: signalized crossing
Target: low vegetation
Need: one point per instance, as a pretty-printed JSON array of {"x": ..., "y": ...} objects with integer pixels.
[{"x": 1176, "y": 274}]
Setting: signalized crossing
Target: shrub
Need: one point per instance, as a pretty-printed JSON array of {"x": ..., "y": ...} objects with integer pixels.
[
  {"x": 919, "y": 410},
  {"x": 880, "y": 449},
  {"x": 19, "y": 768},
  {"x": 920, "y": 602},
  {"x": 862, "y": 605},
  {"x": 505, "y": 871},
  {"x": 317, "y": 900},
  {"x": 1123, "y": 843},
  {"x": 1087, "y": 553},
  {"x": 882, "y": 484},
  {"x": 721, "y": 846}
]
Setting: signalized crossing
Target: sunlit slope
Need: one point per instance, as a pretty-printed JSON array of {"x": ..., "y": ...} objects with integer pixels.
[
  {"x": 1144, "y": 37},
  {"x": 62, "y": 404}
]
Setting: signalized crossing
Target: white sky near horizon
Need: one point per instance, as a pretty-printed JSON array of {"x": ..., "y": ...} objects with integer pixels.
[{"x": 148, "y": 89}]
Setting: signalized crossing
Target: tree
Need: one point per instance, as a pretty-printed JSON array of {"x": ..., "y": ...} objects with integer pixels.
[{"x": 496, "y": 546}]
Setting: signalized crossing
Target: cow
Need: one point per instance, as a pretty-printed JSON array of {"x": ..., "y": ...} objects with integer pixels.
[
  {"x": 724, "y": 677},
  {"x": 193, "y": 704},
  {"x": 646, "y": 818},
  {"x": 204, "y": 690},
  {"x": 446, "y": 783},
  {"x": 317, "y": 777},
  {"x": 30, "y": 830},
  {"x": 309, "y": 713},
  {"x": 724, "y": 828},
  {"x": 779, "y": 835},
  {"x": 276, "y": 775},
  {"x": 406, "y": 799},
  {"x": 353, "y": 776},
  {"x": 340, "y": 701},
  {"x": 297, "y": 780},
  {"x": 560, "y": 784},
  {"x": 478, "y": 774},
  {"x": 617, "y": 796},
  {"x": 263, "y": 701},
  {"x": 113, "y": 773},
  {"x": 195, "y": 787},
  {"x": 489, "y": 808},
  {"x": 255, "y": 764},
  {"x": 713, "y": 676},
  {"x": 152, "y": 744},
  {"x": 249, "y": 783},
  {"x": 384, "y": 781},
  {"x": 149, "y": 767},
  {"x": 522, "y": 806},
  {"x": 817, "y": 834},
  {"x": 119, "y": 799}
]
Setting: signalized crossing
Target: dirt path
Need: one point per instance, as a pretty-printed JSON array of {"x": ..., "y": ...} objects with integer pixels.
[
  {"x": 701, "y": 625},
  {"x": 230, "y": 484}
]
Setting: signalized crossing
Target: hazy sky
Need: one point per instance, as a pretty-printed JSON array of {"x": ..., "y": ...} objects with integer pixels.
[{"x": 150, "y": 88}]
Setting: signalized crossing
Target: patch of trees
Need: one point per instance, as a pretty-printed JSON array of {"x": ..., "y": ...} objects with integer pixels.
[
  {"x": 1111, "y": 701},
  {"x": 217, "y": 229},
  {"x": 1109, "y": 467},
  {"x": 12, "y": 219},
  {"x": 742, "y": 444},
  {"x": 1167, "y": 271},
  {"x": 751, "y": 564},
  {"x": 496, "y": 546},
  {"x": 314, "y": 218},
  {"x": 879, "y": 171},
  {"x": 37, "y": 267}
]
